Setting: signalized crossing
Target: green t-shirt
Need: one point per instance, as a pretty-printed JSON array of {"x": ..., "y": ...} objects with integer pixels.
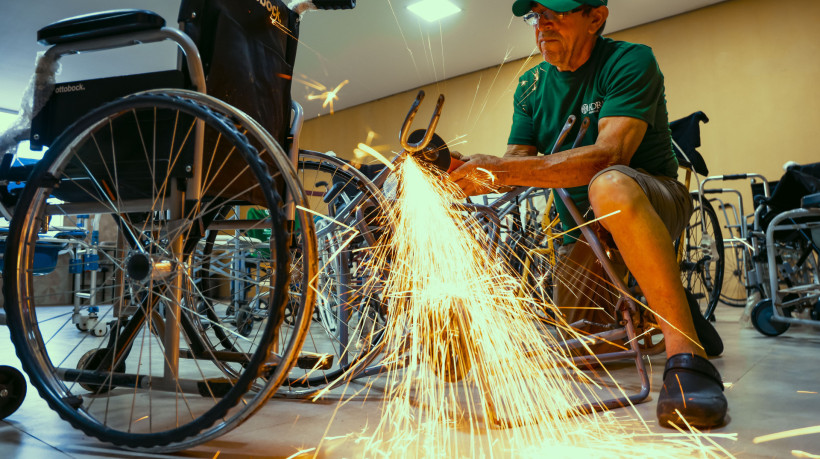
[{"x": 619, "y": 79}]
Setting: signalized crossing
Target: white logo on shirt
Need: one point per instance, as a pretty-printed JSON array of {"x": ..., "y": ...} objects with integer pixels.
[{"x": 589, "y": 109}]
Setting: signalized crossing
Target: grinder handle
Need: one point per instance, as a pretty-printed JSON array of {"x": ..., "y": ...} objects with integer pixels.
[
  {"x": 334, "y": 4},
  {"x": 455, "y": 163}
]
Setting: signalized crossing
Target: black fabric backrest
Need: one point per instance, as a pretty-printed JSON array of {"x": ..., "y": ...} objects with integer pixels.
[
  {"x": 797, "y": 182},
  {"x": 248, "y": 48},
  {"x": 686, "y": 133}
]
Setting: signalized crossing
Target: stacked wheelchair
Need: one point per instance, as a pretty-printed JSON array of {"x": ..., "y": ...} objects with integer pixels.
[{"x": 787, "y": 241}]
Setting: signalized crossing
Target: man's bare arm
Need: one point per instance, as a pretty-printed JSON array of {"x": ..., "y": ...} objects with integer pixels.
[
  {"x": 520, "y": 150},
  {"x": 618, "y": 138}
]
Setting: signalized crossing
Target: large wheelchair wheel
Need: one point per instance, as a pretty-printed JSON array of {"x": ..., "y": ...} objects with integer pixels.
[
  {"x": 703, "y": 256},
  {"x": 734, "y": 292},
  {"x": 349, "y": 316},
  {"x": 172, "y": 372}
]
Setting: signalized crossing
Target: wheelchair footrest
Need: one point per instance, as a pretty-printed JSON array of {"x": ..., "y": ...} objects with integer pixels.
[
  {"x": 216, "y": 387},
  {"x": 313, "y": 361},
  {"x": 800, "y": 289},
  {"x": 305, "y": 361}
]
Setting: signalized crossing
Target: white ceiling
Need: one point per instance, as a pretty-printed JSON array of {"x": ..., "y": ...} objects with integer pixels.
[{"x": 379, "y": 47}]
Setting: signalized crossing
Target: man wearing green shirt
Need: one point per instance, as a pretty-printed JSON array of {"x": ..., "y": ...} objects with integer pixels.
[{"x": 625, "y": 163}]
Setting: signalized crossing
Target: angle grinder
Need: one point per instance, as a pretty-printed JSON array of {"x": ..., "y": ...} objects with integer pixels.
[{"x": 435, "y": 153}]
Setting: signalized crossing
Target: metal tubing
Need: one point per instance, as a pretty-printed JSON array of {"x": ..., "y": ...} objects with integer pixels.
[
  {"x": 431, "y": 128},
  {"x": 293, "y": 153},
  {"x": 187, "y": 45},
  {"x": 581, "y": 133},
  {"x": 173, "y": 307},
  {"x": 772, "y": 258},
  {"x": 600, "y": 253}
]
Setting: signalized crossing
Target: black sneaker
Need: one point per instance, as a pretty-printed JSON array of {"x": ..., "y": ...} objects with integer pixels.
[
  {"x": 707, "y": 335},
  {"x": 692, "y": 387}
]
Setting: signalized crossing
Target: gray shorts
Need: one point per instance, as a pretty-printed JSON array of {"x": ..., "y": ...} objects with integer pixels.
[
  {"x": 582, "y": 290},
  {"x": 667, "y": 195}
]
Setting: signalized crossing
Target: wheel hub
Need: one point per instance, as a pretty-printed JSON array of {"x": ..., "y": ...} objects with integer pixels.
[{"x": 142, "y": 267}]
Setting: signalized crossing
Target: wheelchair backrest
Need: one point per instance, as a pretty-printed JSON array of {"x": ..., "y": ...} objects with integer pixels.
[
  {"x": 247, "y": 47},
  {"x": 686, "y": 135}
]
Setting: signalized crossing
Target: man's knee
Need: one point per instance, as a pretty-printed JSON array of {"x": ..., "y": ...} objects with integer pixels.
[{"x": 613, "y": 190}]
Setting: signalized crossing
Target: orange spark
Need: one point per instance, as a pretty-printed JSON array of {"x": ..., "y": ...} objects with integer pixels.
[
  {"x": 787, "y": 434},
  {"x": 328, "y": 96}
]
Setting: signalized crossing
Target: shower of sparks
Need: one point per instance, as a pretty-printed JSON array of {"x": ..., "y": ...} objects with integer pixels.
[
  {"x": 475, "y": 372},
  {"x": 324, "y": 94}
]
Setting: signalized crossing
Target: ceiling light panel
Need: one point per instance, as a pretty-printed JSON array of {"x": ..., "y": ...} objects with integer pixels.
[{"x": 433, "y": 10}]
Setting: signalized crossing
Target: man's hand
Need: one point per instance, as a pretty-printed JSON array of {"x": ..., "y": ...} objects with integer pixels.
[{"x": 477, "y": 175}]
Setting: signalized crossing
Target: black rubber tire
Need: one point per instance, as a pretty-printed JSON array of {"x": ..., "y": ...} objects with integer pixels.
[
  {"x": 734, "y": 292},
  {"x": 318, "y": 173},
  {"x": 12, "y": 390},
  {"x": 702, "y": 270}
]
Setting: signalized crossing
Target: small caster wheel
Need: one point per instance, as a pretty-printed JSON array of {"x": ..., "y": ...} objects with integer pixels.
[
  {"x": 761, "y": 319},
  {"x": 815, "y": 311},
  {"x": 93, "y": 360},
  {"x": 12, "y": 390},
  {"x": 244, "y": 322},
  {"x": 99, "y": 330},
  {"x": 202, "y": 315},
  {"x": 80, "y": 322},
  {"x": 291, "y": 309},
  {"x": 259, "y": 308}
]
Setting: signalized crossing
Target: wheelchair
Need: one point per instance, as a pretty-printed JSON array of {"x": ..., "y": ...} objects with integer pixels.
[
  {"x": 701, "y": 247},
  {"x": 168, "y": 172},
  {"x": 787, "y": 251}
]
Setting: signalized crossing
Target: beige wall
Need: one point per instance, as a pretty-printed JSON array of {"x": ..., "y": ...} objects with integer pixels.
[{"x": 750, "y": 65}]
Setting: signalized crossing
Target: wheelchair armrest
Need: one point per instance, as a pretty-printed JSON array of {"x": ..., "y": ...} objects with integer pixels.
[
  {"x": 101, "y": 24},
  {"x": 334, "y": 192},
  {"x": 810, "y": 200}
]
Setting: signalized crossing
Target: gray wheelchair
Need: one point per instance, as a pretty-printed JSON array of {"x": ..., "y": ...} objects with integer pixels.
[{"x": 786, "y": 237}]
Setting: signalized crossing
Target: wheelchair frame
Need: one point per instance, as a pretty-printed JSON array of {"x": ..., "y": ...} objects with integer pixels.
[{"x": 272, "y": 368}]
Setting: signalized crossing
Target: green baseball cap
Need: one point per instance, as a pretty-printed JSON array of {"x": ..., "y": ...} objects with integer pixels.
[{"x": 522, "y": 7}]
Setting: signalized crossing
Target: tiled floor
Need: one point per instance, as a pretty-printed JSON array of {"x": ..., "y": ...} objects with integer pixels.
[{"x": 774, "y": 387}]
